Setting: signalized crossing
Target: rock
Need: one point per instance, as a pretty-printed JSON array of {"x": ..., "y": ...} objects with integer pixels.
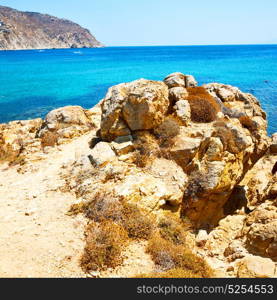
[
  {"x": 255, "y": 267},
  {"x": 146, "y": 106},
  {"x": 178, "y": 93},
  {"x": 223, "y": 235},
  {"x": 150, "y": 190},
  {"x": 65, "y": 116},
  {"x": 19, "y": 138},
  {"x": 234, "y": 251},
  {"x": 258, "y": 181},
  {"x": 235, "y": 102},
  {"x": 101, "y": 154},
  {"x": 124, "y": 139},
  {"x": 66, "y": 123},
  {"x": 182, "y": 111},
  {"x": 201, "y": 238},
  {"x": 273, "y": 146},
  {"x": 139, "y": 105},
  {"x": 261, "y": 230},
  {"x": 122, "y": 148},
  {"x": 190, "y": 81},
  {"x": 184, "y": 149},
  {"x": 175, "y": 80},
  {"x": 180, "y": 80}
]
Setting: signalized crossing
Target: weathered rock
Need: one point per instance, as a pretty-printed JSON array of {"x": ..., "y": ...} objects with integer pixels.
[
  {"x": 163, "y": 184},
  {"x": 184, "y": 149},
  {"x": 67, "y": 122},
  {"x": 19, "y": 138},
  {"x": 180, "y": 80},
  {"x": 220, "y": 238},
  {"x": 177, "y": 93},
  {"x": 182, "y": 111},
  {"x": 175, "y": 80},
  {"x": 139, "y": 105},
  {"x": 234, "y": 251},
  {"x": 65, "y": 116},
  {"x": 215, "y": 155},
  {"x": 122, "y": 148},
  {"x": 258, "y": 180},
  {"x": 261, "y": 230},
  {"x": 273, "y": 146},
  {"x": 255, "y": 267},
  {"x": 190, "y": 81},
  {"x": 101, "y": 154},
  {"x": 201, "y": 238},
  {"x": 235, "y": 102}
]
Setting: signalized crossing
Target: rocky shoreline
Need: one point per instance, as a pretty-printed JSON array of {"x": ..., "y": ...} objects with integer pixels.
[{"x": 196, "y": 160}]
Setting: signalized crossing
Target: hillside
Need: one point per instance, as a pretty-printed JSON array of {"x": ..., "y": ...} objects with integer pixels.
[{"x": 30, "y": 30}]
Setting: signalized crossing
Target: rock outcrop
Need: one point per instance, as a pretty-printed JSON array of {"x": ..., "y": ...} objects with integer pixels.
[
  {"x": 173, "y": 150},
  {"x": 215, "y": 148},
  {"x": 29, "y": 30}
]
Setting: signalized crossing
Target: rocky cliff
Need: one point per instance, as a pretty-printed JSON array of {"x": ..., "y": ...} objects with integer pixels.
[
  {"x": 183, "y": 176},
  {"x": 29, "y": 30}
]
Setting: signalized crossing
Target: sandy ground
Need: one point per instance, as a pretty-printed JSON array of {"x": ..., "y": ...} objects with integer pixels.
[{"x": 37, "y": 237}]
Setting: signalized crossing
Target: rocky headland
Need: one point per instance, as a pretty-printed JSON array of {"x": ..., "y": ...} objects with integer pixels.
[
  {"x": 30, "y": 30},
  {"x": 160, "y": 179}
]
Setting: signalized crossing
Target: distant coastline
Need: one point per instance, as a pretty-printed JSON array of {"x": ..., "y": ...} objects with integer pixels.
[{"x": 28, "y": 30}]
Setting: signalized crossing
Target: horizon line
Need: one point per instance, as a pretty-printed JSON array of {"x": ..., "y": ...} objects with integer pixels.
[{"x": 191, "y": 45}]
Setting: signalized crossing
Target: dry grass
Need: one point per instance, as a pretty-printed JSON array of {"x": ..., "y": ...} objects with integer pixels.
[
  {"x": 49, "y": 139},
  {"x": 169, "y": 129},
  {"x": 173, "y": 273},
  {"x": 146, "y": 149},
  {"x": 204, "y": 107},
  {"x": 104, "y": 244},
  {"x": 137, "y": 223},
  {"x": 173, "y": 231},
  {"x": 246, "y": 122},
  {"x": 169, "y": 257}
]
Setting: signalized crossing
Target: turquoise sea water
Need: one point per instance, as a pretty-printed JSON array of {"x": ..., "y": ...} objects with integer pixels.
[{"x": 34, "y": 82}]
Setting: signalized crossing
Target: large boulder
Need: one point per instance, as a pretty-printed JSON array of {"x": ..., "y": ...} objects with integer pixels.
[
  {"x": 138, "y": 105},
  {"x": 260, "y": 230},
  {"x": 257, "y": 184},
  {"x": 66, "y": 123},
  {"x": 164, "y": 183}
]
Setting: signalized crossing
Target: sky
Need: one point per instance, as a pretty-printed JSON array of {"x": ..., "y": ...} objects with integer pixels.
[{"x": 166, "y": 22}]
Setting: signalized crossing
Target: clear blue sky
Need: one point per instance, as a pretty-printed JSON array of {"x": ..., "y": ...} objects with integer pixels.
[{"x": 166, "y": 22}]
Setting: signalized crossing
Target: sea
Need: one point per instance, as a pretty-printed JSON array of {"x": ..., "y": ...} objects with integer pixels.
[{"x": 33, "y": 82}]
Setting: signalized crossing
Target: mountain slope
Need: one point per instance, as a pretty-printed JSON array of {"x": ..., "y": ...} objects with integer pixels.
[{"x": 29, "y": 30}]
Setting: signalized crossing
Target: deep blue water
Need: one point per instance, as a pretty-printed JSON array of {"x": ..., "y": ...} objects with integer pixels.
[{"x": 34, "y": 82}]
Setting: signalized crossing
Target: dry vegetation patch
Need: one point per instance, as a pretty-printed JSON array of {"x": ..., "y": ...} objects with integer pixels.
[
  {"x": 204, "y": 107},
  {"x": 104, "y": 244},
  {"x": 170, "y": 257}
]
